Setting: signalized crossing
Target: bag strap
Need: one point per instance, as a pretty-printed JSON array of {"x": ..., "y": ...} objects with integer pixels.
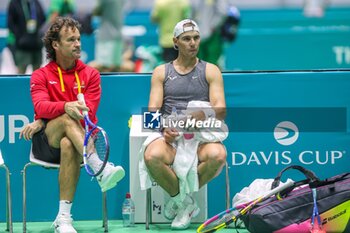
[
  {"x": 335, "y": 179},
  {"x": 311, "y": 178}
]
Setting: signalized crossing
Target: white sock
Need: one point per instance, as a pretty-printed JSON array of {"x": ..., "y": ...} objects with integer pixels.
[
  {"x": 65, "y": 207},
  {"x": 94, "y": 162},
  {"x": 188, "y": 199},
  {"x": 176, "y": 199}
]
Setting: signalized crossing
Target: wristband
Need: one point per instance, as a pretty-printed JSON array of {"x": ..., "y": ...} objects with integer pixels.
[{"x": 209, "y": 113}]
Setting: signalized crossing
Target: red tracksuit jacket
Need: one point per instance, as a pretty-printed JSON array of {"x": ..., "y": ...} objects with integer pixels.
[{"x": 49, "y": 94}]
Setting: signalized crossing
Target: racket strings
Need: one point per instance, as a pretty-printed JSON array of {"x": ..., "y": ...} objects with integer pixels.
[
  {"x": 98, "y": 144},
  {"x": 229, "y": 218},
  {"x": 219, "y": 222},
  {"x": 97, "y": 151}
]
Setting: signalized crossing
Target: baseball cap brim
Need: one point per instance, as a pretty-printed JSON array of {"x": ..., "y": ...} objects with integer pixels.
[{"x": 182, "y": 27}]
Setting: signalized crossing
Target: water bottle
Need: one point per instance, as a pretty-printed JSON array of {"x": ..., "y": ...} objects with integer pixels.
[{"x": 128, "y": 211}]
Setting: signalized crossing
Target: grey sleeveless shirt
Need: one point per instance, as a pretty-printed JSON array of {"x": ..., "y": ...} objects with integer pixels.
[{"x": 180, "y": 89}]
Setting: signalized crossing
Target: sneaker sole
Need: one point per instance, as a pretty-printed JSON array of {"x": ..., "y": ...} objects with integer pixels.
[
  {"x": 113, "y": 180},
  {"x": 194, "y": 214},
  {"x": 169, "y": 218},
  {"x": 56, "y": 231}
]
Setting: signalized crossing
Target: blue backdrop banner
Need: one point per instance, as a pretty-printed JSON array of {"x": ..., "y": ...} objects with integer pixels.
[{"x": 276, "y": 119}]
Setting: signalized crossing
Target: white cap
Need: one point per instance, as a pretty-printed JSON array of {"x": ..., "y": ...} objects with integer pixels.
[{"x": 181, "y": 28}]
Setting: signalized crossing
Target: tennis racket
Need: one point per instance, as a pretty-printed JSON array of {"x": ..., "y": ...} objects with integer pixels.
[
  {"x": 96, "y": 145},
  {"x": 231, "y": 215}
]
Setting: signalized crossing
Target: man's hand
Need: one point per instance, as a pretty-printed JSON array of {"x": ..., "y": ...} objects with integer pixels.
[
  {"x": 170, "y": 134},
  {"x": 74, "y": 109},
  {"x": 29, "y": 130}
]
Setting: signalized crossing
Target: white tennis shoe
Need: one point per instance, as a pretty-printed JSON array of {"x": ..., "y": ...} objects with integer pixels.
[
  {"x": 110, "y": 176},
  {"x": 63, "y": 224},
  {"x": 186, "y": 212}
]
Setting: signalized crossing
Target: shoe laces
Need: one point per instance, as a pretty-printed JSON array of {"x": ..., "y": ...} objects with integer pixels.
[
  {"x": 107, "y": 164},
  {"x": 186, "y": 204},
  {"x": 111, "y": 164}
]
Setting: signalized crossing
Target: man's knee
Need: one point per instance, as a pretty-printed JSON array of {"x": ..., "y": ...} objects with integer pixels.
[
  {"x": 220, "y": 155},
  {"x": 66, "y": 144},
  {"x": 151, "y": 155},
  {"x": 157, "y": 152},
  {"x": 64, "y": 122},
  {"x": 68, "y": 151},
  {"x": 68, "y": 122},
  {"x": 217, "y": 154}
]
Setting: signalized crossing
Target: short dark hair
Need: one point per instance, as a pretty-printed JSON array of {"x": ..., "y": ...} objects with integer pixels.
[{"x": 53, "y": 34}]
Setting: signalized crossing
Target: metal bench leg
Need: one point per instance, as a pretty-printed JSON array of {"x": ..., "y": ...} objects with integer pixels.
[
  {"x": 228, "y": 205},
  {"x": 9, "y": 225},
  {"x": 24, "y": 216},
  {"x": 148, "y": 208},
  {"x": 104, "y": 212}
]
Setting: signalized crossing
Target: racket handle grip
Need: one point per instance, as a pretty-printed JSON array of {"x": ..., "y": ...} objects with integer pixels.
[
  {"x": 81, "y": 98},
  {"x": 278, "y": 189}
]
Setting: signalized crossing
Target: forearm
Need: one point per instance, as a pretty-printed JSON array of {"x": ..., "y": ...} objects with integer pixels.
[
  {"x": 48, "y": 109},
  {"x": 205, "y": 113},
  {"x": 29, "y": 130}
]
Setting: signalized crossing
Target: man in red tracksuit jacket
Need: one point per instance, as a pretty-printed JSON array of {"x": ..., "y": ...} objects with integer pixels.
[{"x": 57, "y": 133}]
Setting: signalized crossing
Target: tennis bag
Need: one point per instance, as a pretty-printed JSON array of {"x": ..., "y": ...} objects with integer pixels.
[{"x": 293, "y": 211}]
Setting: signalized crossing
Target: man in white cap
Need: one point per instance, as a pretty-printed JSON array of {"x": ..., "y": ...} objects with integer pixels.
[{"x": 173, "y": 86}]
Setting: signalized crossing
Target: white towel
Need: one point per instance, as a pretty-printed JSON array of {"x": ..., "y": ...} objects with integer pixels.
[
  {"x": 256, "y": 189},
  {"x": 186, "y": 159},
  {"x": 207, "y": 134},
  {"x": 185, "y": 166},
  {"x": 145, "y": 178}
]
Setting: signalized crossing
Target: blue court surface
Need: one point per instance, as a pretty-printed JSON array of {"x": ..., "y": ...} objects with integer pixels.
[{"x": 114, "y": 226}]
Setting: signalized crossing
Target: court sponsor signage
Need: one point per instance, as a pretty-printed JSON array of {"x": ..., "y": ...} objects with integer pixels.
[
  {"x": 297, "y": 140},
  {"x": 10, "y": 125}
]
